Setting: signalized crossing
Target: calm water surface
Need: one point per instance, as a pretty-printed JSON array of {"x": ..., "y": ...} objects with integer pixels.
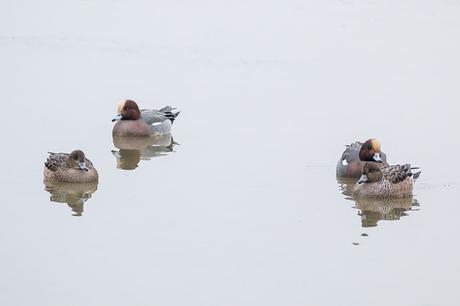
[{"x": 241, "y": 206}]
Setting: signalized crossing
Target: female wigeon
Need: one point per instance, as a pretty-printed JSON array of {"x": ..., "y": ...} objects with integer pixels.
[
  {"x": 71, "y": 168},
  {"x": 387, "y": 182},
  {"x": 134, "y": 122},
  {"x": 356, "y": 154}
]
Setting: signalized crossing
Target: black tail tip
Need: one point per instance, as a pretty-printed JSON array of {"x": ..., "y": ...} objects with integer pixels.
[{"x": 416, "y": 175}]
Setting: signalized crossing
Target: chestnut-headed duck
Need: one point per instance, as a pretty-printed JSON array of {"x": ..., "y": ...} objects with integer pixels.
[
  {"x": 146, "y": 122},
  {"x": 70, "y": 168},
  {"x": 356, "y": 154},
  {"x": 385, "y": 182}
]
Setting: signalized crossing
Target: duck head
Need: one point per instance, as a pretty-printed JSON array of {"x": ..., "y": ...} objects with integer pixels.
[
  {"x": 127, "y": 110},
  {"x": 77, "y": 160},
  {"x": 370, "y": 151},
  {"x": 371, "y": 173}
]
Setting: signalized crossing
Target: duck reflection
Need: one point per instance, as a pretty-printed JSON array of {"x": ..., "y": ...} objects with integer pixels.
[
  {"x": 134, "y": 149},
  {"x": 74, "y": 194},
  {"x": 372, "y": 210}
]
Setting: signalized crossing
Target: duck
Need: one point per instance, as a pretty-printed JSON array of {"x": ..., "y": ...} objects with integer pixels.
[
  {"x": 395, "y": 181},
  {"x": 133, "y": 122},
  {"x": 352, "y": 161},
  {"x": 70, "y": 168}
]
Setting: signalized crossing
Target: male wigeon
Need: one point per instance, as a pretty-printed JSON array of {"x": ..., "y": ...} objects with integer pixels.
[
  {"x": 71, "y": 168},
  {"x": 388, "y": 182},
  {"x": 134, "y": 122},
  {"x": 356, "y": 154}
]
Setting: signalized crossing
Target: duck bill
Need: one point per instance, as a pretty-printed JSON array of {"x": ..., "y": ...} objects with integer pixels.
[
  {"x": 362, "y": 179},
  {"x": 377, "y": 157},
  {"x": 117, "y": 117},
  {"x": 82, "y": 166}
]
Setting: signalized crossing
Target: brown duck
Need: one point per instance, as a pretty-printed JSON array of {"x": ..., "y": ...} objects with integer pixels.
[
  {"x": 71, "y": 168},
  {"x": 385, "y": 182}
]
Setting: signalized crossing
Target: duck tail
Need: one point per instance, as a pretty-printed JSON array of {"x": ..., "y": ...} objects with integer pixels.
[
  {"x": 170, "y": 112},
  {"x": 416, "y": 175}
]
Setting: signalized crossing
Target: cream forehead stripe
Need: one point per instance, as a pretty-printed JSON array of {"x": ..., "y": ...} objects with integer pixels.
[
  {"x": 375, "y": 144},
  {"x": 120, "y": 106}
]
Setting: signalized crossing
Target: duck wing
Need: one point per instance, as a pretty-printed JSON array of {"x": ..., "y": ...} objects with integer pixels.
[
  {"x": 151, "y": 116},
  {"x": 398, "y": 173},
  {"x": 351, "y": 152},
  {"x": 56, "y": 161}
]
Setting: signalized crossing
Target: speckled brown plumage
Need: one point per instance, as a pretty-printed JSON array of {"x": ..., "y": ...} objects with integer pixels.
[
  {"x": 66, "y": 167},
  {"x": 388, "y": 182}
]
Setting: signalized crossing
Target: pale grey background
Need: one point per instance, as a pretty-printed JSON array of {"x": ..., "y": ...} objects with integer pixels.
[{"x": 247, "y": 211}]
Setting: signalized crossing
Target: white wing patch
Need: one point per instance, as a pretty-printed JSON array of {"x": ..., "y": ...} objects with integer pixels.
[
  {"x": 157, "y": 123},
  {"x": 344, "y": 162}
]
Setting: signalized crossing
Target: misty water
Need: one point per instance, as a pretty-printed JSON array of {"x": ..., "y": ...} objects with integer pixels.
[{"x": 241, "y": 205}]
